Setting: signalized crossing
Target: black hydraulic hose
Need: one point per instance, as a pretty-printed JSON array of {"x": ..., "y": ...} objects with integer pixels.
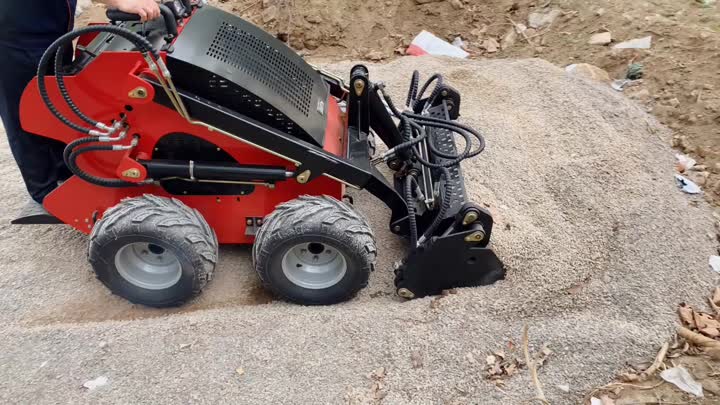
[
  {"x": 412, "y": 92},
  {"x": 412, "y": 220},
  {"x": 436, "y": 77},
  {"x": 140, "y": 42},
  {"x": 476, "y": 134},
  {"x": 59, "y": 77},
  {"x": 100, "y": 181},
  {"x": 74, "y": 144},
  {"x": 444, "y": 206}
]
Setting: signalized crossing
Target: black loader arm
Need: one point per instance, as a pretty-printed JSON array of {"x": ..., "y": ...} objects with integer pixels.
[{"x": 448, "y": 235}]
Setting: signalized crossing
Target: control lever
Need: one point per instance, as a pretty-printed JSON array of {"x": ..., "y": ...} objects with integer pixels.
[{"x": 167, "y": 15}]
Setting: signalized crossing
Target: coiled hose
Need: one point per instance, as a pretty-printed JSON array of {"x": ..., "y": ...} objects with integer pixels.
[
  {"x": 140, "y": 42},
  {"x": 57, "y": 48},
  {"x": 413, "y": 130}
]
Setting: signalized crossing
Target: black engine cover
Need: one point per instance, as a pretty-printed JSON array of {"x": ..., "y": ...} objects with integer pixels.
[{"x": 233, "y": 63}]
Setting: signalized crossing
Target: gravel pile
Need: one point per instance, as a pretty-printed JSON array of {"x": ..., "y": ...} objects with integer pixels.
[{"x": 599, "y": 243}]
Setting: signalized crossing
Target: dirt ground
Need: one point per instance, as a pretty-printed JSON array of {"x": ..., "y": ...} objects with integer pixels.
[
  {"x": 603, "y": 313},
  {"x": 681, "y": 85},
  {"x": 592, "y": 271}
]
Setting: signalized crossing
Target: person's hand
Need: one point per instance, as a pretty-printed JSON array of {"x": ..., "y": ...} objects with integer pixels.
[{"x": 146, "y": 9}]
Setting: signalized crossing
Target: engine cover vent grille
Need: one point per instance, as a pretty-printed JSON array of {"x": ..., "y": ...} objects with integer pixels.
[
  {"x": 246, "y": 52},
  {"x": 228, "y": 61}
]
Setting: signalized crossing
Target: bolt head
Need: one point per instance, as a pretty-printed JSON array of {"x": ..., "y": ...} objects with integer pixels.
[{"x": 405, "y": 293}]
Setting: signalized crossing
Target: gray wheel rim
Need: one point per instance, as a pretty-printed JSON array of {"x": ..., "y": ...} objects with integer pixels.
[
  {"x": 314, "y": 265},
  {"x": 148, "y": 265}
]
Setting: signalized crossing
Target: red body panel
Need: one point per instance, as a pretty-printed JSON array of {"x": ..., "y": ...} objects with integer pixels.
[{"x": 101, "y": 90}]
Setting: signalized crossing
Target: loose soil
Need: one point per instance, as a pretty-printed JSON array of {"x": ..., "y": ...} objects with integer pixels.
[{"x": 580, "y": 182}]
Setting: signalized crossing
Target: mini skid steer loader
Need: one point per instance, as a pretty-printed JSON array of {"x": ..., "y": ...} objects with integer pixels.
[{"x": 199, "y": 128}]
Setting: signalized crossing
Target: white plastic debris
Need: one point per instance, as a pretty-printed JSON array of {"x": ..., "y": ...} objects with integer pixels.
[
  {"x": 714, "y": 263},
  {"x": 426, "y": 43},
  {"x": 683, "y": 380},
  {"x": 459, "y": 43},
  {"x": 638, "y": 43},
  {"x": 684, "y": 162},
  {"x": 595, "y": 401},
  {"x": 687, "y": 185},
  {"x": 96, "y": 383}
]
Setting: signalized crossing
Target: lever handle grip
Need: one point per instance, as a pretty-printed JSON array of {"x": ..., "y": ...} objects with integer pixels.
[{"x": 117, "y": 15}]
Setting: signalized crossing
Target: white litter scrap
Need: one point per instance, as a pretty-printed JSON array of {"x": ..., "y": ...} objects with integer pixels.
[
  {"x": 638, "y": 43},
  {"x": 426, "y": 43},
  {"x": 687, "y": 185},
  {"x": 683, "y": 380},
  {"x": 96, "y": 383},
  {"x": 714, "y": 263},
  {"x": 684, "y": 162}
]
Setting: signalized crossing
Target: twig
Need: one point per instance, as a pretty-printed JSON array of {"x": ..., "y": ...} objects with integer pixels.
[
  {"x": 517, "y": 28},
  {"x": 531, "y": 367},
  {"x": 697, "y": 339},
  {"x": 659, "y": 359},
  {"x": 241, "y": 12},
  {"x": 615, "y": 384}
]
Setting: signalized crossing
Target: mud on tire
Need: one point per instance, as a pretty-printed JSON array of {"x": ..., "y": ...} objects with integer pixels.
[
  {"x": 153, "y": 251},
  {"x": 314, "y": 250}
]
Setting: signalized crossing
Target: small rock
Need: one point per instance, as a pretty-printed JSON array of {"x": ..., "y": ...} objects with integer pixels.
[
  {"x": 674, "y": 102},
  {"x": 416, "y": 359},
  {"x": 185, "y": 346},
  {"x": 311, "y": 44},
  {"x": 426, "y": 1},
  {"x": 103, "y": 344},
  {"x": 375, "y": 55},
  {"x": 490, "y": 45},
  {"x": 457, "y": 4},
  {"x": 588, "y": 71},
  {"x": 313, "y": 18},
  {"x": 240, "y": 371},
  {"x": 540, "y": 19},
  {"x": 564, "y": 387},
  {"x": 599, "y": 12},
  {"x": 602, "y": 38},
  {"x": 96, "y": 383},
  {"x": 508, "y": 39},
  {"x": 270, "y": 14}
]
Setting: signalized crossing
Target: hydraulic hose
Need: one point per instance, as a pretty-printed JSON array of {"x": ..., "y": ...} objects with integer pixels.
[
  {"x": 444, "y": 206},
  {"x": 412, "y": 220},
  {"x": 59, "y": 77},
  {"x": 412, "y": 92},
  {"x": 140, "y": 42},
  {"x": 413, "y": 126},
  {"x": 100, "y": 181}
]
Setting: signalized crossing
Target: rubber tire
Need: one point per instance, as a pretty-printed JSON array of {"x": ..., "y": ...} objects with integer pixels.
[
  {"x": 314, "y": 219},
  {"x": 164, "y": 221}
]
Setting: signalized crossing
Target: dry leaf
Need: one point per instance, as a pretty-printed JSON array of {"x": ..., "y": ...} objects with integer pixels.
[
  {"x": 703, "y": 321},
  {"x": 240, "y": 371},
  {"x": 510, "y": 370},
  {"x": 686, "y": 315},
  {"x": 500, "y": 354},
  {"x": 713, "y": 353},
  {"x": 711, "y": 332},
  {"x": 542, "y": 355},
  {"x": 605, "y": 400}
]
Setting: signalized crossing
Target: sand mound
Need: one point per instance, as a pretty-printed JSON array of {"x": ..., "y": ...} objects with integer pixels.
[{"x": 600, "y": 247}]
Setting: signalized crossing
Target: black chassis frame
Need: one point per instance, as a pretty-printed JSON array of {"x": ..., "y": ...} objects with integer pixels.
[{"x": 456, "y": 255}]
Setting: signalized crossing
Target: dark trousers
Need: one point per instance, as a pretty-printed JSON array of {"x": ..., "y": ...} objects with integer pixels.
[{"x": 39, "y": 158}]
